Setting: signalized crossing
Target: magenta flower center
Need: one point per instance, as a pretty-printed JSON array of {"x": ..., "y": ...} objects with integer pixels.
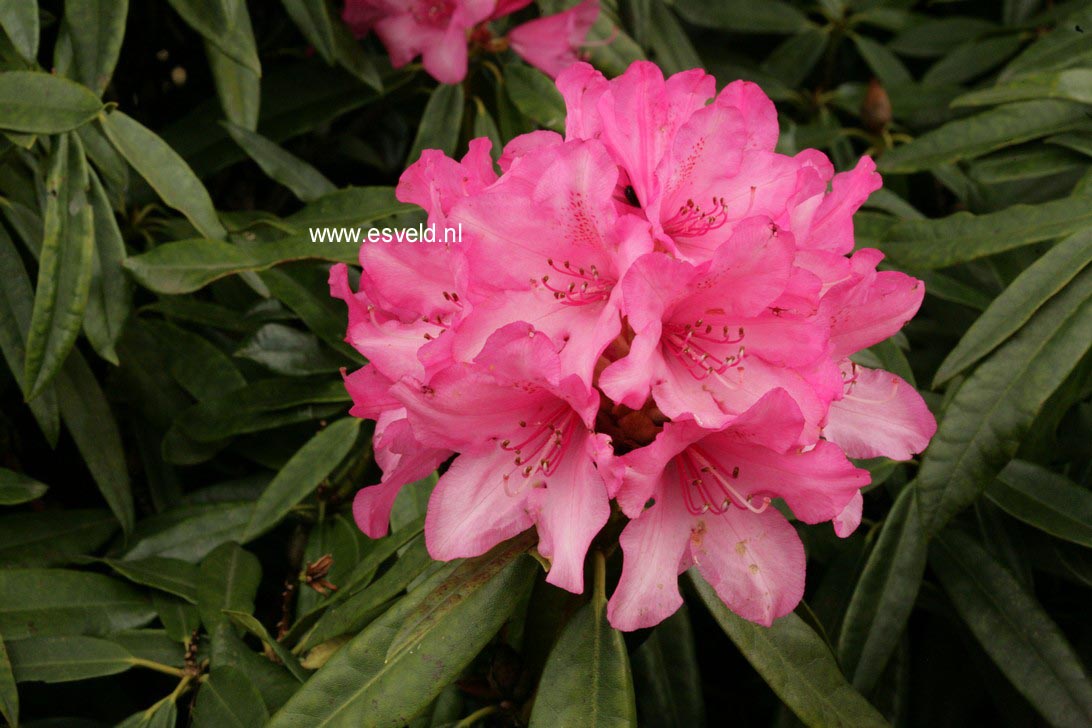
[
  {"x": 436, "y": 13},
  {"x": 694, "y": 219}
]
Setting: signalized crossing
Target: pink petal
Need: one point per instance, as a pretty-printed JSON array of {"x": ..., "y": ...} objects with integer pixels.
[
  {"x": 569, "y": 512},
  {"x": 754, "y": 561},
  {"x": 879, "y": 416},
  {"x": 757, "y": 111},
  {"x": 550, "y": 43},
  {"x": 446, "y": 59},
  {"x": 654, "y": 546},
  {"x": 846, "y": 522},
  {"x": 471, "y": 511}
]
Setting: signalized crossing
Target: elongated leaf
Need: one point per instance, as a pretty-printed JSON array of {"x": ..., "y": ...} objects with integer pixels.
[
  {"x": 672, "y": 47},
  {"x": 237, "y": 86},
  {"x": 289, "y": 351},
  {"x": 364, "y": 605},
  {"x": 173, "y": 576},
  {"x": 972, "y": 59},
  {"x": 740, "y": 16},
  {"x": 65, "y": 265},
  {"x": 303, "y": 473},
  {"x": 936, "y": 37},
  {"x": 985, "y": 132},
  {"x": 359, "y": 685},
  {"x": 47, "y": 602},
  {"x": 226, "y": 25},
  {"x": 997, "y": 404},
  {"x": 52, "y": 537},
  {"x": 165, "y": 171},
  {"x": 322, "y": 315},
  {"x": 95, "y": 29},
  {"x": 793, "y": 60},
  {"x": 67, "y": 659},
  {"x": 535, "y": 95},
  {"x": 16, "y": 304},
  {"x": 38, "y": 103},
  {"x": 163, "y": 714},
  {"x": 470, "y": 577},
  {"x": 1068, "y": 44},
  {"x": 313, "y": 19},
  {"x": 9, "y": 695},
  {"x": 188, "y": 265},
  {"x": 347, "y": 546},
  {"x": 1018, "y": 303},
  {"x": 884, "y": 597},
  {"x": 20, "y": 23},
  {"x": 883, "y": 62},
  {"x": 272, "y": 681},
  {"x": 262, "y": 405},
  {"x": 229, "y": 700},
  {"x": 256, "y": 628},
  {"x": 666, "y": 675},
  {"x": 796, "y": 663},
  {"x": 587, "y": 680},
  {"x": 440, "y": 123},
  {"x": 963, "y": 237},
  {"x": 111, "y": 291},
  {"x": 189, "y": 533},
  {"x": 16, "y": 488},
  {"x": 89, "y": 420},
  {"x": 1042, "y": 498},
  {"x": 349, "y": 207},
  {"x": 1074, "y": 84},
  {"x": 195, "y": 363},
  {"x": 1013, "y": 630},
  {"x": 180, "y": 619},
  {"x": 305, "y": 182},
  {"x": 228, "y": 579}
]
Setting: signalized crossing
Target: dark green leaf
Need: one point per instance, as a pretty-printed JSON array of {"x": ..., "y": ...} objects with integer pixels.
[
  {"x": 1045, "y": 500},
  {"x": 935, "y": 37},
  {"x": 792, "y": 61},
  {"x": 65, "y": 265},
  {"x": 289, "y": 351},
  {"x": 666, "y": 675},
  {"x": 311, "y": 464},
  {"x": 38, "y": 103},
  {"x": 180, "y": 619},
  {"x": 20, "y": 22},
  {"x": 1065, "y": 46},
  {"x": 228, "y": 579},
  {"x": 16, "y": 303},
  {"x": 972, "y": 59},
  {"x": 884, "y": 597},
  {"x": 165, "y": 171},
  {"x": 226, "y": 25},
  {"x": 46, "y": 602},
  {"x": 173, "y": 576},
  {"x": 963, "y": 236},
  {"x": 796, "y": 663},
  {"x": 358, "y": 684},
  {"x": 52, "y": 537},
  {"x": 1013, "y": 630},
  {"x": 228, "y": 699},
  {"x": 1018, "y": 303},
  {"x": 9, "y": 695},
  {"x": 885, "y": 64},
  {"x": 313, "y": 19},
  {"x": 95, "y": 29},
  {"x": 89, "y": 420},
  {"x": 67, "y": 659},
  {"x": 111, "y": 291},
  {"x": 669, "y": 41},
  {"x": 740, "y": 16},
  {"x": 16, "y": 488},
  {"x": 305, "y": 182},
  {"x": 189, "y": 533},
  {"x": 586, "y": 680},
  {"x": 984, "y": 132},
  {"x": 535, "y": 95},
  {"x": 440, "y": 123},
  {"x": 1074, "y": 84},
  {"x": 237, "y": 86},
  {"x": 997, "y": 404},
  {"x": 256, "y": 628},
  {"x": 163, "y": 714}
]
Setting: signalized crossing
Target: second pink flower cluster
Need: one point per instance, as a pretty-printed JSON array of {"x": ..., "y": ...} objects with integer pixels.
[
  {"x": 441, "y": 31},
  {"x": 655, "y": 308}
]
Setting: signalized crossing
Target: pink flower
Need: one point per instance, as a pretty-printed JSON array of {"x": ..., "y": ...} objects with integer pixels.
[
  {"x": 550, "y": 44},
  {"x": 529, "y": 455},
  {"x": 710, "y": 493},
  {"x": 657, "y": 308},
  {"x": 436, "y": 30}
]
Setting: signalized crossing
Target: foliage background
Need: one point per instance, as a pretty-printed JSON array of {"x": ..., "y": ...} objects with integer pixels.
[{"x": 177, "y": 460}]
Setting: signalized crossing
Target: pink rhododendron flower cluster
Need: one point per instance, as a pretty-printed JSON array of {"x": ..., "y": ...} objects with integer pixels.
[
  {"x": 440, "y": 30},
  {"x": 655, "y": 308}
]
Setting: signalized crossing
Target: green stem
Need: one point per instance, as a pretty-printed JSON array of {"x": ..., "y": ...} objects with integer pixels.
[
  {"x": 476, "y": 716},
  {"x": 157, "y": 666}
]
